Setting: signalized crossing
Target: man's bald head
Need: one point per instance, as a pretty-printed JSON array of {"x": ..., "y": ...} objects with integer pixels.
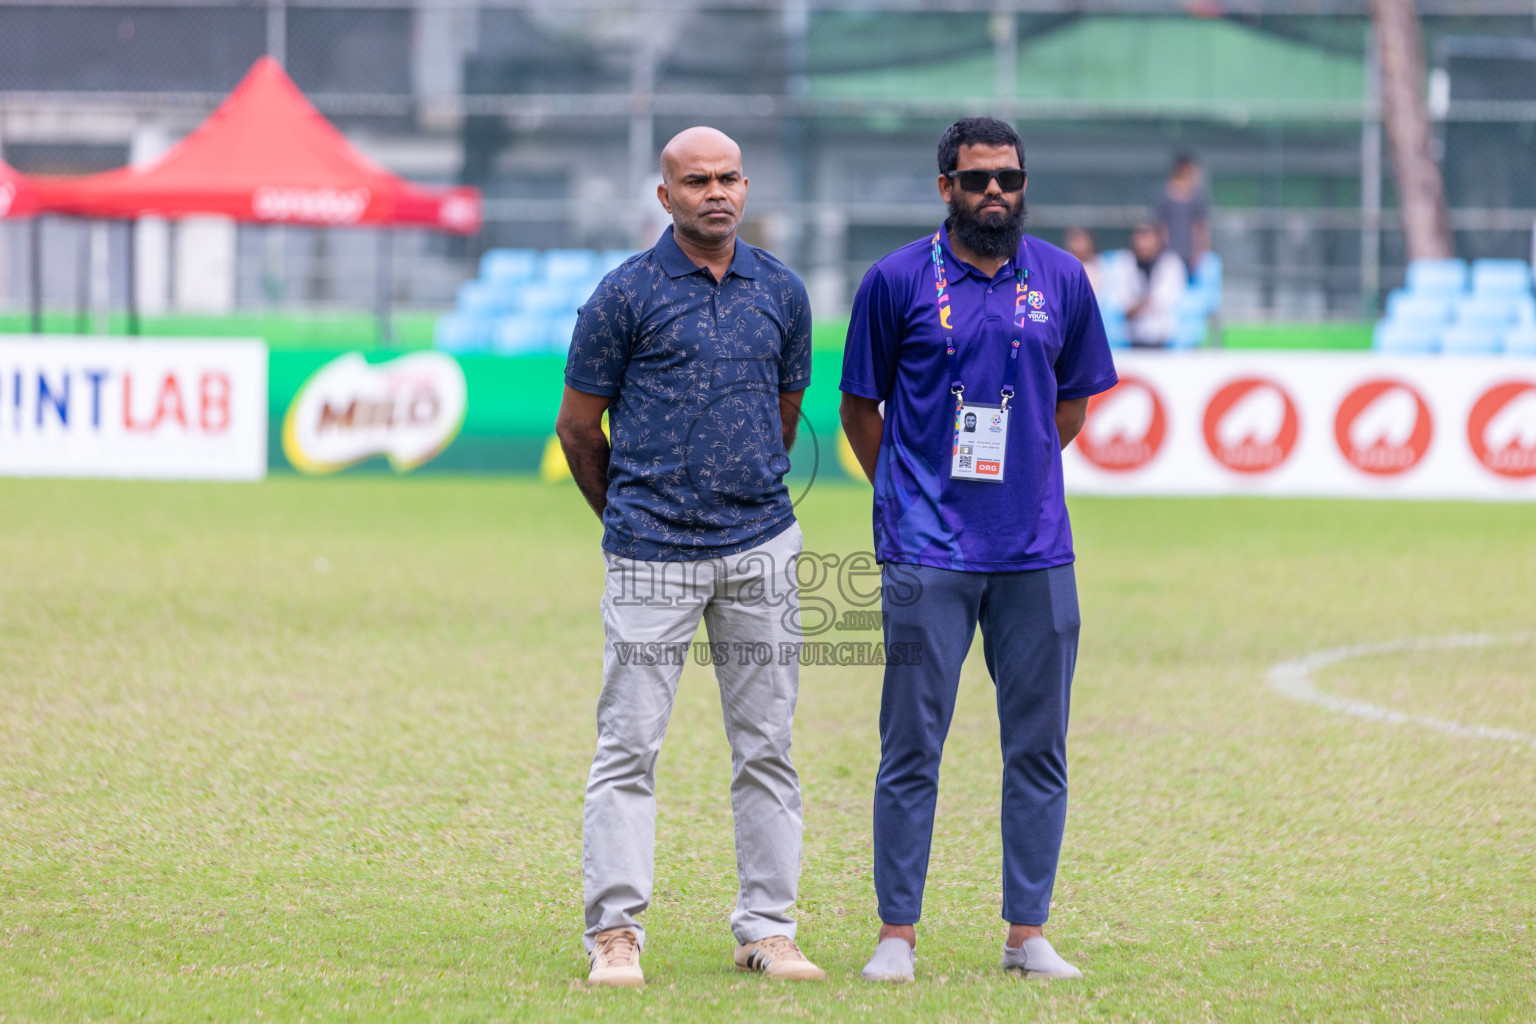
[
  {"x": 698, "y": 145},
  {"x": 702, "y": 187}
]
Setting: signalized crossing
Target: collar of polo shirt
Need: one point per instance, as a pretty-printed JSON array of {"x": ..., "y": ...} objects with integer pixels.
[
  {"x": 677, "y": 264},
  {"x": 963, "y": 268}
]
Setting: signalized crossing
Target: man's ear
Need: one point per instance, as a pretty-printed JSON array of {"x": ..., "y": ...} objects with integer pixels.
[
  {"x": 946, "y": 188},
  {"x": 664, "y": 196}
]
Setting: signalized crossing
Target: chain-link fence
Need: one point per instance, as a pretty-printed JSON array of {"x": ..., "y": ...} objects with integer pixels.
[{"x": 557, "y": 111}]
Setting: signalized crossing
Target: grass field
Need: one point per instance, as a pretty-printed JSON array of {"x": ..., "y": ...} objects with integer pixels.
[{"x": 315, "y": 751}]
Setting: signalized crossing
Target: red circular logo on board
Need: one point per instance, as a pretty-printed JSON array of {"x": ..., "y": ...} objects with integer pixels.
[
  {"x": 1251, "y": 425},
  {"x": 1125, "y": 426},
  {"x": 1502, "y": 429},
  {"x": 1383, "y": 427}
]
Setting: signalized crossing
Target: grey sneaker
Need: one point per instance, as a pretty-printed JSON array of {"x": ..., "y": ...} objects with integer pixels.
[
  {"x": 893, "y": 961},
  {"x": 1036, "y": 959}
]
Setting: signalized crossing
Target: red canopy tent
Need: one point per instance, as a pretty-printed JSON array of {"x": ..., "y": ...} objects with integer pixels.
[
  {"x": 17, "y": 196},
  {"x": 266, "y": 155}
]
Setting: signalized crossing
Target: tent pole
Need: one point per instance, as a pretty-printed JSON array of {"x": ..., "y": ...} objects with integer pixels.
[
  {"x": 384, "y": 286},
  {"x": 35, "y": 284},
  {"x": 82, "y": 276},
  {"x": 133, "y": 283}
]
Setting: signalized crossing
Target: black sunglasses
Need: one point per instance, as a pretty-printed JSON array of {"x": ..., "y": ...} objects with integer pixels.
[{"x": 1009, "y": 179}]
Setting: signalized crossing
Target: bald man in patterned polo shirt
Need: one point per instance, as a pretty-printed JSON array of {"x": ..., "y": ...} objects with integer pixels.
[{"x": 699, "y": 349}]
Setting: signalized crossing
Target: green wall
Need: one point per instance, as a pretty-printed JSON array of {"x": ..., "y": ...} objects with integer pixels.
[{"x": 511, "y": 411}]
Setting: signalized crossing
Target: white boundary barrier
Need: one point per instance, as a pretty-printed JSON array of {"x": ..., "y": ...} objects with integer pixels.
[
  {"x": 162, "y": 410},
  {"x": 1311, "y": 424}
]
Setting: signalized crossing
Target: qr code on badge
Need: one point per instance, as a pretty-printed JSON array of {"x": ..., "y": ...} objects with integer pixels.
[{"x": 965, "y": 462}]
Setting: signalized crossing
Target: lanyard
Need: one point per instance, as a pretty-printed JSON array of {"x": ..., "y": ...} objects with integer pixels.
[{"x": 1020, "y": 312}]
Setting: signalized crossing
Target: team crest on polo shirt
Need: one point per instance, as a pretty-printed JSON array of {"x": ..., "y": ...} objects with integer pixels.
[{"x": 1036, "y": 304}]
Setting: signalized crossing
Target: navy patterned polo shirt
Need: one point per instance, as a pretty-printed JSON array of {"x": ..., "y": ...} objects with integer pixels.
[{"x": 695, "y": 367}]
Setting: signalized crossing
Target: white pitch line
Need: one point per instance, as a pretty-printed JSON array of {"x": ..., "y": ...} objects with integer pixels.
[{"x": 1294, "y": 680}]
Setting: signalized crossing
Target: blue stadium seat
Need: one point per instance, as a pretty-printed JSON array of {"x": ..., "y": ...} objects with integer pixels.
[
  {"x": 581, "y": 291},
  {"x": 1487, "y": 312},
  {"x": 569, "y": 264},
  {"x": 613, "y": 257},
  {"x": 1208, "y": 279},
  {"x": 551, "y": 297},
  {"x": 1411, "y": 307},
  {"x": 516, "y": 265},
  {"x": 1406, "y": 337},
  {"x": 1463, "y": 340},
  {"x": 1437, "y": 277},
  {"x": 1521, "y": 341},
  {"x": 1525, "y": 311},
  {"x": 486, "y": 299},
  {"x": 459, "y": 333},
  {"x": 1505, "y": 278},
  {"x": 520, "y": 334},
  {"x": 1115, "y": 266},
  {"x": 524, "y": 301},
  {"x": 1115, "y": 328},
  {"x": 561, "y": 328},
  {"x": 1192, "y": 327}
]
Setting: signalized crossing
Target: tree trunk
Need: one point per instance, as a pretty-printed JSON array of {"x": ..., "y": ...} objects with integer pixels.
[{"x": 1420, "y": 190}]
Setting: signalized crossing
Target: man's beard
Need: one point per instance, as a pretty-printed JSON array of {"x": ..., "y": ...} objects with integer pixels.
[{"x": 992, "y": 241}]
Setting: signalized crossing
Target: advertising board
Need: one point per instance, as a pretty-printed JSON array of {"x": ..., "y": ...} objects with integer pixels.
[
  {"x": 162, "y": 410},
  {"x": 1334, "y": 425},
  {"x": 408, "y": 410}
]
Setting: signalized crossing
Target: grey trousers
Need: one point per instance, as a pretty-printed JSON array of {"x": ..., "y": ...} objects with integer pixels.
[{"x": 651, "y": 611}]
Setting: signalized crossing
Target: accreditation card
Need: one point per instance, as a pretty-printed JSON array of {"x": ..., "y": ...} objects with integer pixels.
[{"x": 981, "y": 442}]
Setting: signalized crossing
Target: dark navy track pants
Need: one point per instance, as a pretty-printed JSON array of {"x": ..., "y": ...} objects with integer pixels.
[{"x": 1029, "y": 626}]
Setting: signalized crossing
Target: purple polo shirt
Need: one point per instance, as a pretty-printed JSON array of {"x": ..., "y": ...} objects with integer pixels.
[{"x": 895, "y": 354}]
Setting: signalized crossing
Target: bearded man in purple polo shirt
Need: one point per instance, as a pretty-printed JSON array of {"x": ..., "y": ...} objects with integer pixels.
[{"x": 970, "y": 359}]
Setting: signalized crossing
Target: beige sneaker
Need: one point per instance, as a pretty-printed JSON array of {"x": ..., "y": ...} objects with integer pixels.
[
  {"x": 778, "y": 957},
  {"x": 616, "y": 959}
]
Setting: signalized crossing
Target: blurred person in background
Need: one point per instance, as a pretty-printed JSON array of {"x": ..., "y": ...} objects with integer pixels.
[
  {"x": 1080, "y": 244},
  {"x": 699, "y": 349},
  {"x": 1184, "y": 212},
  {"x": 970, "y": 523},
  {"x": 1150, "y": 289}
]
